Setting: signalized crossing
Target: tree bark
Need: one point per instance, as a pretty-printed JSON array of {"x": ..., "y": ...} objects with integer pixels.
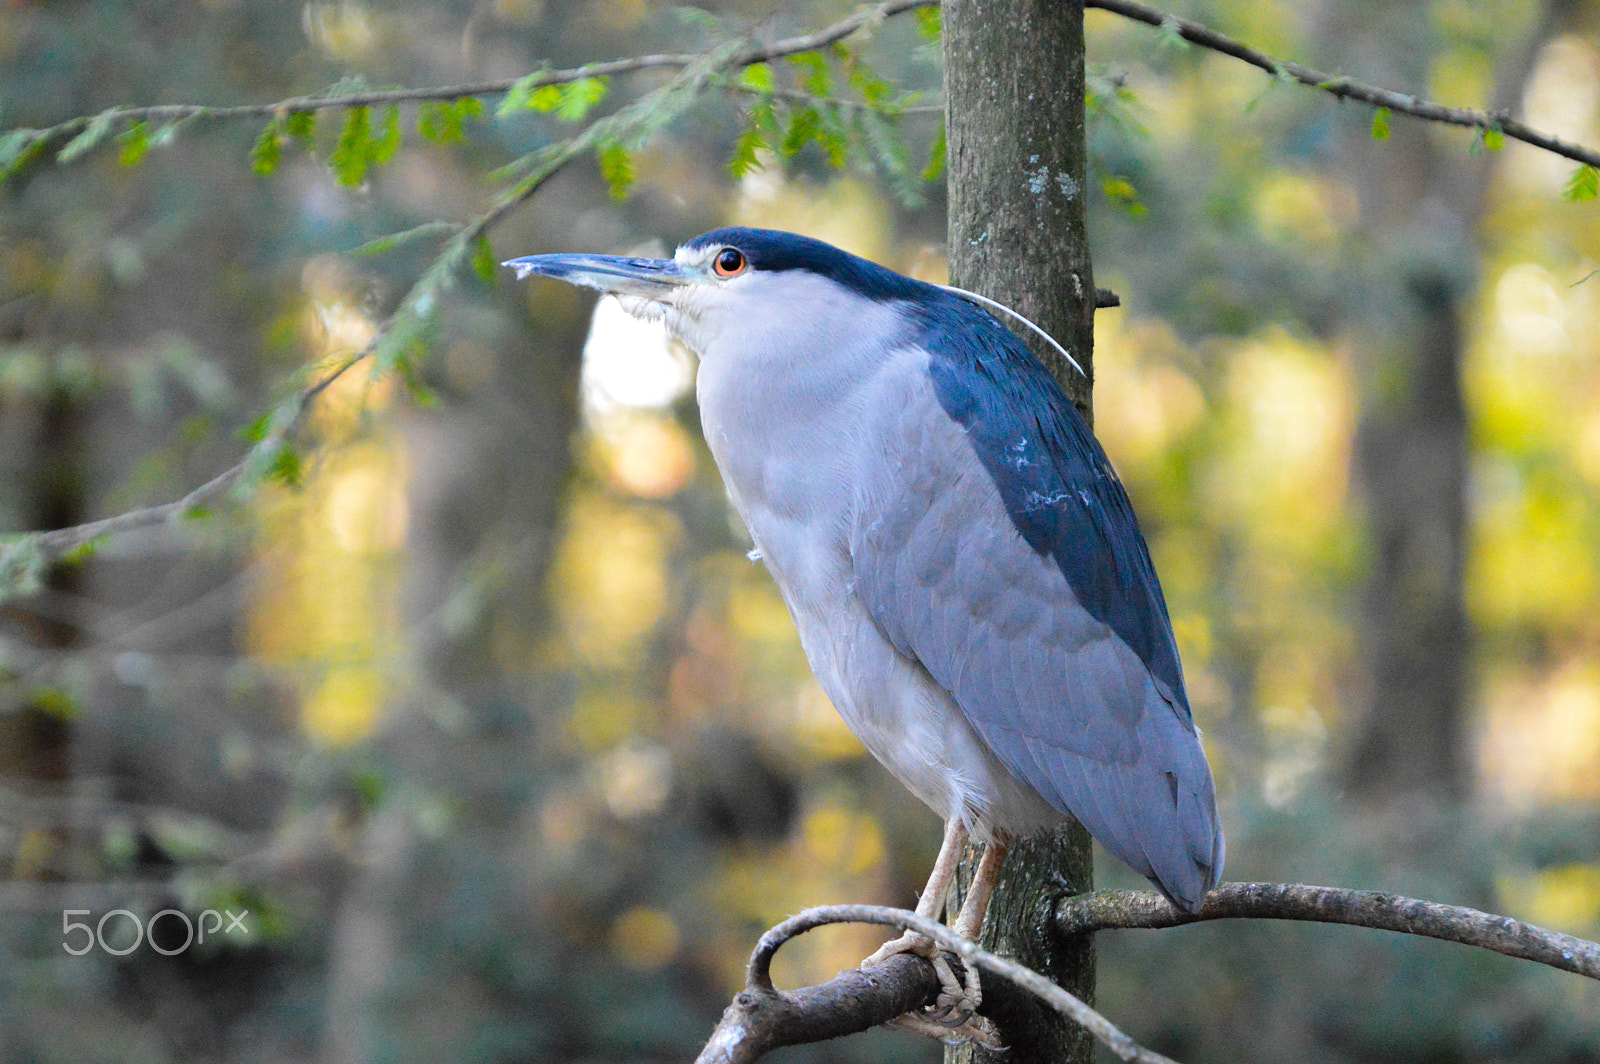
[{"x": 1014, "y": 85}]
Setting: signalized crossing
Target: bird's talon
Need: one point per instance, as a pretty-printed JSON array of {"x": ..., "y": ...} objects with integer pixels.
[
  {"x": 976, "y": 1030},
  {"x": 953, "y": 1017}
]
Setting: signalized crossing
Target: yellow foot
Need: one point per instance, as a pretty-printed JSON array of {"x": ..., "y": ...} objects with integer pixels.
[{"x": 952, "y": 1018}]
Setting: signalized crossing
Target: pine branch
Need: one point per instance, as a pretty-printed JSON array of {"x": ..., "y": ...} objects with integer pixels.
[
  {"x": 29, "y": 552},
  {"x": 1498, "y": 122},
  {"x": 172, "y": 114},
  {"x": 1111, "y": 909}
]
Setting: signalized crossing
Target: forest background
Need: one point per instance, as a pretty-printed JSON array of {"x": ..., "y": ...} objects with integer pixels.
[{"x": 471, "y": 696}]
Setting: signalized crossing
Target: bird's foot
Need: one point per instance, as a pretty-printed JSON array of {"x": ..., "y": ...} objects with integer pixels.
[{"x": 952, "y": 1018}]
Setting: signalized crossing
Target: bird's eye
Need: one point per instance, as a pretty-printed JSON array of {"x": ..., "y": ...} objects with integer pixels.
[{"x": 730, "y": 262}]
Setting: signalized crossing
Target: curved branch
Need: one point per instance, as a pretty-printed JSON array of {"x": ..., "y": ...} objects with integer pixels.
[
  {"x": 1112, "y": 909},
  {"x": 1348, "y": 88},
  {"x": 763, "y": 1018}
]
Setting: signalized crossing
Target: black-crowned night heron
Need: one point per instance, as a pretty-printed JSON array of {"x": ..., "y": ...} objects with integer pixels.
[{"x": 963, "y": 566}]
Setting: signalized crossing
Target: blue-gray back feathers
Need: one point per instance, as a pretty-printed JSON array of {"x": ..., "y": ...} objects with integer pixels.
[{"x": 1068, "y": 670}]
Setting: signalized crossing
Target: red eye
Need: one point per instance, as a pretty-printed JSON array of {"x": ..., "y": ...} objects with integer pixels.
[{"x": 730, "y": 262}]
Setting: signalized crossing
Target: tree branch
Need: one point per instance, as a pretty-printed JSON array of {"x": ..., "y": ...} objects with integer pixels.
[
  {"x": 173, "y": 113},
  {"x": 1348, "y": 88},
  {"x": 763, "y": 1018},
  {"x": 1111, "y": 909},
  {"x": 27, "y": 553}
]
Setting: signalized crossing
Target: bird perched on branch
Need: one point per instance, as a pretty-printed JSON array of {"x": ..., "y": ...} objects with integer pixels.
[{"x": 964, "y": 568}]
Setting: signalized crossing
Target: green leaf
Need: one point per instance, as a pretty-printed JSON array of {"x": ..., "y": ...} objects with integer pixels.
[
  {"x": 570, "y": 102},
  {"x": 928, "y": 23},
  {"x": 1583, "y": 185},
  {"x": 832, "y": 138},
  {"x": 302, "y": 126},
  {"x": 936, "y": 157},
  {"x": 267, "y": 152},
  {"x": 257, "y": 430},
  {"x": 97, "y": 130},
  {"x": 388, "y": 140},
  {"x": 761, "y": 128},
  {"x": 756, "y": 77},
  {"x": 1120, "y": 190},
  {"x": 578, "y": 98},
  {"x": 286, "y": 467},
  {"x": 442, "y": 122},
  {"x": 436, "y": 122},
  {"x": 1494, "y": 139},
  {"x": 873, "y": 88},
  {"x": 745, "y": 157},
  {"x": 516, "y": 98},
  {"x": 544, "y": 99},
  {"x": 804, "y": 124},
  {"x": 56, "y": 702},
  {"x": 352, "y": 154},
  {"x": 135, "y": 141},
  {"x": 1380, "y": 124},
  {"x": 484, "y": 261},
  {"x": 85, "y": 550},
  {"x": 816, "y": 78},
  {"x": 616, "y": 166}
]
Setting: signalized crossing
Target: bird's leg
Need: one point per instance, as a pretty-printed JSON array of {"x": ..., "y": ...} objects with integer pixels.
[
  {"x": 956, "y": 1007},
  {"x": 969, "y": 922},
  {"x": 931, "y": 902},
  {"x": 952, "y": 1019}
]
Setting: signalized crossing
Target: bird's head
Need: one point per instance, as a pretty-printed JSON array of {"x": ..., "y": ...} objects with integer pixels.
[{"x": 730, "y": 284}]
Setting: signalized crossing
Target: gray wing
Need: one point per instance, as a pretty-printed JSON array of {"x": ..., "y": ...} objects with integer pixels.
[{"x": 1037, "y": 640}]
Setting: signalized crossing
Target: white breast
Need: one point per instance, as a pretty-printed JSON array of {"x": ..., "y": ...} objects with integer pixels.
[{"x": 804, "y": 440}]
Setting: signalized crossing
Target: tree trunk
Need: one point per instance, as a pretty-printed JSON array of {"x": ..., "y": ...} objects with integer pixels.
[
  {"x": 1422, "y": 207},
  {"x": 1014, "y": 84}
]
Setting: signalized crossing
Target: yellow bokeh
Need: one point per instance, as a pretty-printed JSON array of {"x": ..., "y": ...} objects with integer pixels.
[
  {"x": 842, "y": 838},
  {"x": 644, "y": 939},
  {"x": 326, "y": 606},
  {"x": 1541, "y": 735},
  {"x": 1285, "y": 479},
  {"x": 645, "y": 453},
  {"x": 343, "y": 708},
  {"x": 1564, "y": 898},
  {"x": 610, "y": 579}
]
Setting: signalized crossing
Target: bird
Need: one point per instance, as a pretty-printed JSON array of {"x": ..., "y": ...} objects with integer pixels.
[{"x": 963, "y": 566}]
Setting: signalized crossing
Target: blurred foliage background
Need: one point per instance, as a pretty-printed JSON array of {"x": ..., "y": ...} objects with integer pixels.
[{"x": 487, "y": 719}]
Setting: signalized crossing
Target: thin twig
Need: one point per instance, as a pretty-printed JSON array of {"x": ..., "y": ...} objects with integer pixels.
[
  {"x": 1110, "y": 909},
  {"x": 806, "y": 99},
  {"x": 1348, "y": 88},
  {"x": 61, "y": 541},
  {"x": 745, "y": 1033}
]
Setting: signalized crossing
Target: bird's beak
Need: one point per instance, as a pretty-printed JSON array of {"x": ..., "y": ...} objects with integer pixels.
[{"x": 652, "y": 279}]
